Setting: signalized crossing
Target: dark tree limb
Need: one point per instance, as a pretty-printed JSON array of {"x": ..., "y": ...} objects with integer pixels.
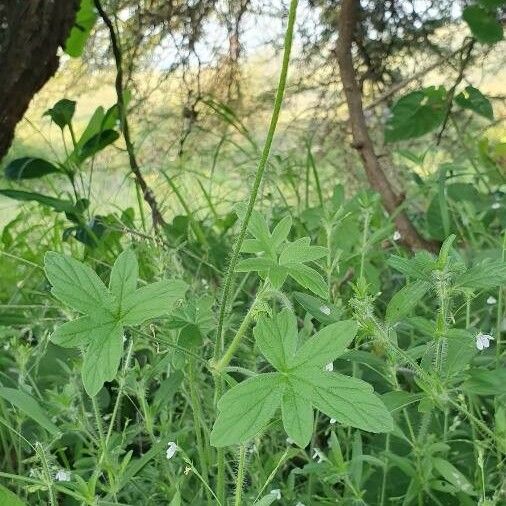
[
  {"x": 362, "y": 142},
  {"x": 31, "y": 31},
  {"x": 147, "y": 193}
]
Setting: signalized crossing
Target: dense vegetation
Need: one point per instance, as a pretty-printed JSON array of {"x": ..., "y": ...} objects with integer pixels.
[{"x": 250, "y": 293}]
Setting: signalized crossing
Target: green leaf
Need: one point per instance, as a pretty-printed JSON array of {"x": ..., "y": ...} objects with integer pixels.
[
  {"x": 85, "y": 20},
  {"x": 246, "y": 409},
  {"x": 62, "y": 206},
  {"x": 349, "y": 400},
  {"x": 255, "y": 264},
  {"x": 81, "y": 331},
  {"x": 97, "y": 143},
  {"x": 281, "y": 231},
  {"x": 486, "y": 274},
  {"x": 405, "y": 300},
  {"x": 309, "y": 278},
  {"x": 474, "y": 100},
  {"x": 29, "y": 406},
  {"x": 151, "y": 301},
  {"x": 416, "y": 114},
  {"x": 400, "y": 399},
  {"x": 326, "y": 345},
  {"x": 450, "y": 473},
  {"x": 8, "y": 498},
  {"x": 300, "y": 251},
  {"x": 297, "y": 416},
  {"x": 492, "y": 4},
  {"x": 62, "y": 112},
  {"x": 323, "y": 311},
  {"x": 124, "y": 274},
  {"x": 29, "y": 168},
  {"x": 483, "y": 24},
  {"x": 76, "y": 284},
  {"x": 277, "y": 338},
  {"x": 484, "y": 382},
  {"x": 102, "y": 358}
]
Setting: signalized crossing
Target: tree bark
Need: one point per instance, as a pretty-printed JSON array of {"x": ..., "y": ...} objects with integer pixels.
[
  {"x": 347, "y": 23},
  {"x": 31, "y": 31}
]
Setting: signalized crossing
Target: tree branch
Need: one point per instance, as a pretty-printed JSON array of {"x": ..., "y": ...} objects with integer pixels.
[
  {"x": 147, "y": 193},
  {"x": 361, "y": 140}
]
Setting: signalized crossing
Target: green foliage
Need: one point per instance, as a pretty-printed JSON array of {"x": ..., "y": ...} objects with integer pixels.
[
  {"x": 278, "y": 258},
  {"x": 483, "y": 23},
  {"x": 473, "y": 99},
  {"x": 85, "y": 20},
  {"x": 416, "y": 114},
  {"x": 9, "y": 498},
  {"x": 301, "y": 382},
  {"x": 29, "y": 168},
  {"x": 28, "y": 405},
  {"x": 62, "y": 112},
  {"x": 106, "y": 311}
]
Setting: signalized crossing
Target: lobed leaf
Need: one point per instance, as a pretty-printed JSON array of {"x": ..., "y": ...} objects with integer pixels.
[
  {"x": 277, "y": 338},
  {"x": 102, "y": 358},
  {"x": 326, "y": 345},
  {"x": 124, "y": 274},
  {"x": 297, "y": 416},
  {"x": 151, "y": 301},
  {"x": 76, "y": 284},
  {"x": 350, "y": 401},
  {"x": 246, "y": 409}
]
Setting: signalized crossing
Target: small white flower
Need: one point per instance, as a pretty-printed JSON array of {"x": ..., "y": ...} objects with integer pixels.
[
  {"x": 325, "y": 310},
  {"x": 491, "y": 300},
  {"x": 329, "y": 367},
  {"x": 397, "y": 236},
  {"x": 276, "y": 492},
  {"x": 495, "y": 205},
  {"x": 171, "y": 449},
  {"x": 483, "y": 341},
  {"x": 318, "y": 454},
  {"x": 187, "y": 470},
  {"x": 289, "y": 441},
  {"x": 62, "y": 475},
  {"x": 333, "y": 421}
]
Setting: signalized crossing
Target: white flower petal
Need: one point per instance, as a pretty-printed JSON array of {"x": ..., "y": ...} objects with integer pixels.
[
  {"x": 325, "y": 310},
  {"x": 329, "y": 367},
  {"x": 171, "y": 450},
  {"x": 62, "y": 475}
]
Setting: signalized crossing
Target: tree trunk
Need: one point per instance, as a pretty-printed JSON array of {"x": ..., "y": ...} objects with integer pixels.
[
  {"x": 348, "y": 19},
  {"x": 31, "y": 31}
]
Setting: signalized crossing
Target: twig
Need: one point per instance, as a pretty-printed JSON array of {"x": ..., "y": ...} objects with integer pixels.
[{"x": 147, "y": 193}]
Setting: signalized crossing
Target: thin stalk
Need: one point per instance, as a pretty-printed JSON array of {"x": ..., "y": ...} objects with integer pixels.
[
  {"x": 239, "y": 481},
  {"x": 229, "y": 353},
  {"x": 258, "y": 177},
  {"x": 197, "y": 417},
  {"x": 262, "y": 164},
  {"x": 120, "y": 392},
  {"x": 47, "y": 473}
]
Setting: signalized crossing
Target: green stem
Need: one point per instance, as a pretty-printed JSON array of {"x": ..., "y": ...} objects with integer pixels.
[
  {"x": 258, "y": 177},
  {"x": 229, "y": 353},
  {"x": 197, "y": 417},
  {"x": 47, "y": 473},
  {"x": 240, "y": 476},
  {"x": 219, "y": 344},
  {"x": 120, "y": 392}
]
